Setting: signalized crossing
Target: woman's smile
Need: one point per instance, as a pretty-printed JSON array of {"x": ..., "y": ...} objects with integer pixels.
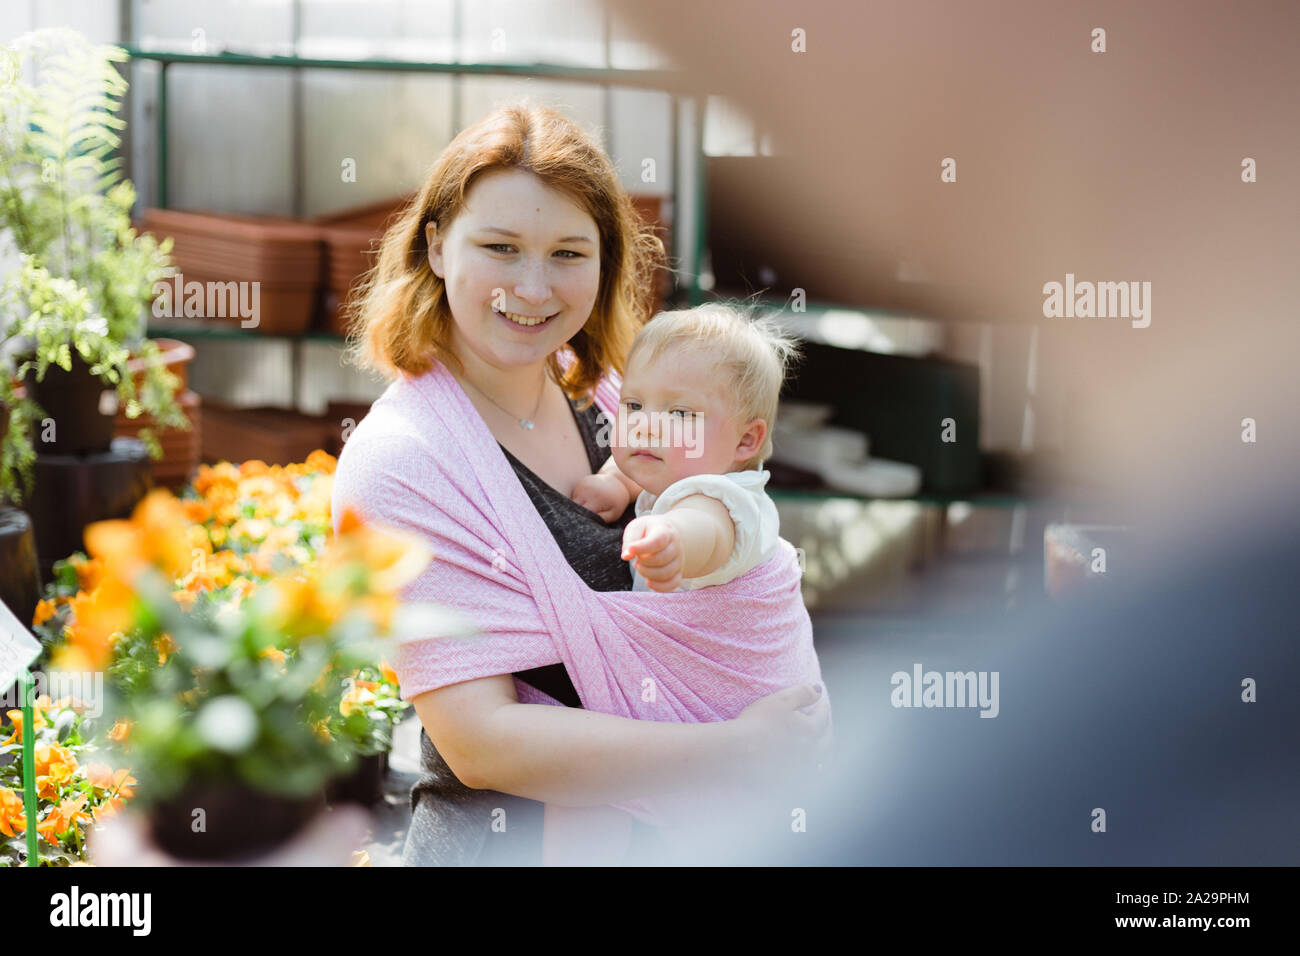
[{"x": 524, "y": 322}]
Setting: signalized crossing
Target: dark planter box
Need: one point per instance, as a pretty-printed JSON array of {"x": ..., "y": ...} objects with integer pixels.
[
  {"x": 364, "y": 786},
  {"x": 238, "y": 823}
]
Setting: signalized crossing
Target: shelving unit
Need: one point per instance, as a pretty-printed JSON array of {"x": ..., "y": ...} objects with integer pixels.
[{"x": 689, "y": 249}]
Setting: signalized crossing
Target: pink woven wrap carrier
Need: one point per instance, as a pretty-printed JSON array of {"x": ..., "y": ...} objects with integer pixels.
[{"x": 423, "y": 460}]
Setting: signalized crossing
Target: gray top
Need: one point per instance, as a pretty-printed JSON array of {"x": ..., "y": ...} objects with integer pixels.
[{"x": 454, "y": 825}]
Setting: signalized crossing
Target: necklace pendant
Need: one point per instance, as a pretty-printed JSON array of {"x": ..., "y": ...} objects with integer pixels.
[{"x": 525, "y": 423}]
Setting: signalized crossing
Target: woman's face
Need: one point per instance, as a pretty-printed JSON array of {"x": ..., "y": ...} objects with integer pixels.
[{"x": 521, "y": 264}]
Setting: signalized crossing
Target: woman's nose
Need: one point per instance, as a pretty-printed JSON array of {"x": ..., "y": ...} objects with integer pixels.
[{"x": 534, "y": 286}]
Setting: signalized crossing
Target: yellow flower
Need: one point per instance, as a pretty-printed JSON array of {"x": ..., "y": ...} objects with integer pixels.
[
  {"x": 322, "y": 730},
  {"x": 121, "y": 730},
  {"x": 358, "y": 695}
]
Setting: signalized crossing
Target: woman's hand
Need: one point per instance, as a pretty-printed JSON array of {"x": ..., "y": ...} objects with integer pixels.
[
  {"x": 604, "y": 494},
  {"x": 790, "y": 729},
  {"x": 654, "y": 544}
]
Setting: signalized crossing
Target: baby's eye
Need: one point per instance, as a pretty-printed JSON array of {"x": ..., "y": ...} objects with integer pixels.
[
  {"x": 684, "y": 412},
  {"x": 632, "y": 406}
]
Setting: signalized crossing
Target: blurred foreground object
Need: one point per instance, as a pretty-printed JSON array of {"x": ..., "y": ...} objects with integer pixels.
[{"x": 330, "y": 839}]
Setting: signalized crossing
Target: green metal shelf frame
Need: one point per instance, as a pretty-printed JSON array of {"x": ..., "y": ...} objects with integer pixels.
[
  {"x": 667, "y": 81},
  {"x": 663, "y": 80}
]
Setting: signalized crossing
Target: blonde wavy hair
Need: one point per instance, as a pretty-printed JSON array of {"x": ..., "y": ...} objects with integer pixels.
[
  {"x": 399, "y": 320},
  {"x": 749, "y": 350}
]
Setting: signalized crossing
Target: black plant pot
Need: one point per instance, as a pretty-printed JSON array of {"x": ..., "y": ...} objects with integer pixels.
[
  {"x": 238, "y": 823},
  {"x": 20, "y": 579},
  {"x": 82, "y": 425},
  {"x": 365, "y": 785}
]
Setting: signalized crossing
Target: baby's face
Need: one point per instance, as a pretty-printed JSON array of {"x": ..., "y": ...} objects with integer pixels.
[{"x": 675, "y": 420}]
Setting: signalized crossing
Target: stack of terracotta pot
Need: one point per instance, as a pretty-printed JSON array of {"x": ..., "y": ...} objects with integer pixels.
[
  {"x": 180, "y": 448},
  {"x": 352, "y": 241},
  {"x": 282, "y": 256}
]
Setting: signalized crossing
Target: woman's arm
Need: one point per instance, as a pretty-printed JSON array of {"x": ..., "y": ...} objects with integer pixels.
[{"x": 574, "y": 757}]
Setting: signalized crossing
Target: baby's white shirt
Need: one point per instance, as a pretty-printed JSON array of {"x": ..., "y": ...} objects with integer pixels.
[{"x": 752, "y": 511}]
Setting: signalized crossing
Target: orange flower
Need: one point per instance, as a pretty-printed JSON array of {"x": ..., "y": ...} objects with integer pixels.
[
  {"x": 274, "y": 653},
  {"x": 54, "y": 767},
  {"x": 304, "y": 607},
  {"x": 156, "y": 534},
  {"x": 393, "y": 558},
  {"x": 63, "y": 817},
  {"x": 165, "y": 645},
  {"x": 89, "y": 571},
  {"x": 121, "y": 730},
  {"x": 96, "y": 618},
  {"x": 197, "y": 510},
  {"x": 115, "y": 800},
  {"x": 12, "y": 817},
  {"x": 16, "y": 718},
  {"x": 254, "y": 466},
  {"x": 44, "y": 611},
  {"x": 118, "y": 783},
  {"x": 358, "y": 695},
  {"x": 320, "y": 461},
  {"x": 390, "y": 675}
]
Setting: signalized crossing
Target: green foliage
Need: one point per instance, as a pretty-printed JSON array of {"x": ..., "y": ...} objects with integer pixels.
[{"x": 85, "y": 276}]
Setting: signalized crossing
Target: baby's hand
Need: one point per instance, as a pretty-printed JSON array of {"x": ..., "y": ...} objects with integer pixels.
[
  {"x": 602, "y": 493},
  {"x": 654, "y": 544}
]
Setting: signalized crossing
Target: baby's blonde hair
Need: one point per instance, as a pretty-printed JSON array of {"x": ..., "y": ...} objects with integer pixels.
[{"x": 751, "y": 351}]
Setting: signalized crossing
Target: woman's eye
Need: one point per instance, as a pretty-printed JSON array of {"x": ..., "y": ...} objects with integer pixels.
[{"x": 503, "y": 248}]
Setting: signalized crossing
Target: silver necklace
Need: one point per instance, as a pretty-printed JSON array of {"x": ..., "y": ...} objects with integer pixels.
[{"x": 524, "y": 423}]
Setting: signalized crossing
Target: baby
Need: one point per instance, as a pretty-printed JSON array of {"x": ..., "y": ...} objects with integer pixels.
[{"x": 694, "y": 426}]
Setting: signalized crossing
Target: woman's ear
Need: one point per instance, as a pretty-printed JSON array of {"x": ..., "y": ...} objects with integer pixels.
[
  {"x": 434, "y": 242},
  {"x": 751, "y": 439}
]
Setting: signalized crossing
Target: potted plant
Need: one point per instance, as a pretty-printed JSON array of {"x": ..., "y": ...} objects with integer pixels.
[
  {"x": 75, "y": 788},
  {"x": 72, "y": 312},
  {"x": 368, "y": 711},
  {"x": 222, "y": 704}
]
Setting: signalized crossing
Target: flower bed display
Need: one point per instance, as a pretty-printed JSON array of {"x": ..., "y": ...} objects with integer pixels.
[{"x": 235, "y": 637}]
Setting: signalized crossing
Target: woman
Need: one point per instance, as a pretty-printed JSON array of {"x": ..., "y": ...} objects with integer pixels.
[{"x": 522, "y": 242}]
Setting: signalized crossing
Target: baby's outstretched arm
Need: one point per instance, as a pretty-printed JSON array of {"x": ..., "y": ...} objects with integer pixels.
[{"x": 694, "y": 538}]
